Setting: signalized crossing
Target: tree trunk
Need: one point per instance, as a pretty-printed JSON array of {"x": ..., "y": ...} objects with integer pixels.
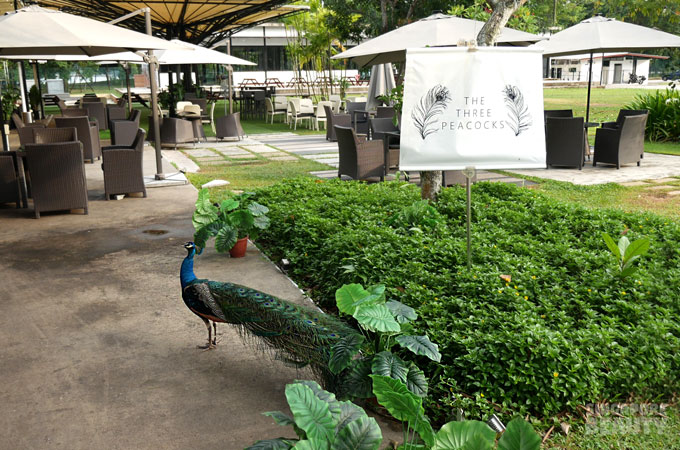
[{"x": 431, "y": 182}]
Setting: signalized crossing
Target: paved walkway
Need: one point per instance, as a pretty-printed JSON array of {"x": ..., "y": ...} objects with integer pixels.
[{"x": 98, "y": 349}]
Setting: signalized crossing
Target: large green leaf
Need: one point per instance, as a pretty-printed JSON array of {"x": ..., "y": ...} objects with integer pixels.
[
  {"x": 390, "y": 365},
  {"x": 454, "y": 435},
  {"x": 229, "y": 204},
  {"x": 343, "y": 351},
  {"x": 205, "y": 212},
  {"x": 312, "y": 444},
  {"x": 357, "y": 383},
  {"x": 324, "y": 396},
  {"x": 623, "y": 245},
  {"x": 272, "y": 444},
  {"x": 361, "y": 434},
  {"x": 477, "y": 442},
  {"x": 349, "y": 412},
  {"x": 376, "y": 318},
  {"x": 225, "y": 239},
  {"x": 612, "y": 245},
  {"x": 311, "y": 414},
  {"x": 402, "y": 313},
  {"x": 242, "y": 220},
  {"x": 397, "y": 399},
  {"x": 257, "y": 210},
  {"x": 519, "y": 435},
  {"x": 349, "y": 296},
  {"x": 261, "y": 222},
  {"x": 416, "y": 381},
  {"x": 201, "y": 237},
  {"x": 636, "y": 249},
  {"x": 420, "y": 345},
  {"x": 279, "y": 417}
]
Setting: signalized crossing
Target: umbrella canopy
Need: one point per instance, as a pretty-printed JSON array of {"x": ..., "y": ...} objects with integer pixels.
[
  {"x": 381, "y": 83},
  {"x": 38, "y": 31},
  {"x": 601, "y": 34},
  {"x": 437, "y": 30}
]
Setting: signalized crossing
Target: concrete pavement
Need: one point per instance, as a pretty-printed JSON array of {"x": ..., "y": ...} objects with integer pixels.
[{"x": 99, "y": 351}]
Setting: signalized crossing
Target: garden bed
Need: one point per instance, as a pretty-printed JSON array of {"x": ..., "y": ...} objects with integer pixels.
[{"x": 541, "y": 324}]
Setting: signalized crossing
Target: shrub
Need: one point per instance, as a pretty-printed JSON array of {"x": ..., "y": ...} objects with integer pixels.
[
  {"x": 663, "y": 122},
  {"x": 559, "y": 329}
]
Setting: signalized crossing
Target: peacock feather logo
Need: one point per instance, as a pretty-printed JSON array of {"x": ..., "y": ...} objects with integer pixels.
[
  {"x": 519, "y": 118},
  {"x": 431, "y": 105}
]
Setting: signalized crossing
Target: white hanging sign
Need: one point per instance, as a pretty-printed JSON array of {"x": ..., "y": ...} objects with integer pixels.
[{"x": 481, "y": 107}]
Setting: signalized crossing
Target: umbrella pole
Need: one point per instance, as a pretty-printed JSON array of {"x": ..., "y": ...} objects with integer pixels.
[
  {"x": 153, "y": 68},
  {"x": 126, "y": 66},
  {"x": 590, "y": 79}
]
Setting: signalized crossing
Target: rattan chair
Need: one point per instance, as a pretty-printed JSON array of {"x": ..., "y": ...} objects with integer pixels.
[
  {"x": 25, "y": 130},
  {"x": 332, "y": 120},
  {"x": 116, "y": 112},
  {"x": 229, "y": 126},
  {"x": 96, "y": 110},
  {"x": 622, "y": 114},
  {"x": 564, "y": 142},
  {"x": 51, "y": 135},
  {"x": 10, "y": 191},
  {"x": 87, "y": 134},
  {"x": 57, "y": 176},
  {"x": 623, "y": 145},
  {"x": 379, "y": 128},
  {"x": 359, "y": 160},
  {"x": 385, "y": 112},
  {"x": 123, "y": 132},
  {"x": 176, "y": 131},
  {"x": 359, "y": 116},
  {"x": 123, "y": 167}
]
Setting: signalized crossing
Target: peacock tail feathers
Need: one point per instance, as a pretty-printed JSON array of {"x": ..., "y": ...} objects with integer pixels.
[
  {"x": 431, "y": 105},
  {"x": 292, "y": 333},
  {"x": 519, "y": 118}
]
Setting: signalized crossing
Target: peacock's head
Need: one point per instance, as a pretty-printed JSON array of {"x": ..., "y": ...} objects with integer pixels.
[{"x": 192, "y": 249}]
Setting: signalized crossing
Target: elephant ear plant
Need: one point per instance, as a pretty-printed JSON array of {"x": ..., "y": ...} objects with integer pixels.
[
  {"x": 322, "y": 422},
  {"x": 233, "y": 219},
  {"x": 383, "y": 324}
]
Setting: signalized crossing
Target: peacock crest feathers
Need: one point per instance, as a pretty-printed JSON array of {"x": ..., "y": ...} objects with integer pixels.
[{"x": 431, "y": 105}]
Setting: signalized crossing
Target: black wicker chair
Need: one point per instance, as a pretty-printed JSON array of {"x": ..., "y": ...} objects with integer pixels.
[
  {"x": 564, "y": 142},
  {"x": 359, "y": 160},
  {"x": 123, "y": 167},
  {"x": 623, "y": 145}
]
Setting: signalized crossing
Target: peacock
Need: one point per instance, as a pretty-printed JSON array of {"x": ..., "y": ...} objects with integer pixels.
[{"x": 295, "y": 334}]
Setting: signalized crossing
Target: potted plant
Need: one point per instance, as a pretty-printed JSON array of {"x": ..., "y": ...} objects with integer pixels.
[
  {"x": 10, "y": 97},
  {"x": 396, "y": 99},
  {"x": 231, "y": 222}
]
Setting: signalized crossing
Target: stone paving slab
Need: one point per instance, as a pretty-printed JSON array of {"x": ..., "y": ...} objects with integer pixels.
[
  {"x": 634, "y": 183},
  {"x": 211, "y": 158},
  {"x": 233, "y": 151},
  {"x": 653, "y": 166},
  {"x": 244, "y": 156},
  {"x": 665, "y": 180},
  {"x": 284, "y": 158},
  {"x": 200, "y": 152},
  {"x": 659, "y": 188},
  {"x": 259, "y": 148}
]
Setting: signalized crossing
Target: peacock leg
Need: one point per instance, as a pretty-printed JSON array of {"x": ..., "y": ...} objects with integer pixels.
[
  {"x": 209, "y": 345},
  {"x": 214, "y": 333}
]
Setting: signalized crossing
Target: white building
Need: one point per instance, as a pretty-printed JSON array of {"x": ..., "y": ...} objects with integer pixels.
[{"x": 608, "y": 68}]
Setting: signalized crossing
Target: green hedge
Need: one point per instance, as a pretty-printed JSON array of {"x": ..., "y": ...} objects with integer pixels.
[{"x": 566, "y": 330}]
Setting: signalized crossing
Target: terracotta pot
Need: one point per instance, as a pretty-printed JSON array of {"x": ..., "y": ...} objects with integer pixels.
[{"x": 239, "y": 249}]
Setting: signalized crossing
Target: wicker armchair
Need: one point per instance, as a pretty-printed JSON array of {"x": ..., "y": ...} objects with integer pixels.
[
  {"x": 384, "y": 112},
  {"x": 97, "y": 111},
  {"x": 333, "y": 119},
  {"x": 622, "y": 145},
  {"x": 122, "y": 166},
  {"x": 50, "y": 135},
  {"x": 10, "y": 191},
  {"x": 380, "y": 126},
  {"x": 173, "y": 131},
  {"x": 57, "y": 176},
  {"x": 359, "y": 116},
  {"x": 25, "y": 130},
  {"x": 74, "y": 112},
  {"x": 359, "y": 160},
  {"x": 564, "y": 142},
  {"x": 624, "y": 113},
  {"x": 87, "y": 134},
  {"x": 556, "y": 113},
  {"x": 116, "y": 112},
  {"x": 123, "y": 132},
  {"x": 229, "y": 126}
]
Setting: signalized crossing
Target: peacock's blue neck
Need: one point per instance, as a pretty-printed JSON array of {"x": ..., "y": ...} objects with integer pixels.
[{"x": 186, "y": 272}]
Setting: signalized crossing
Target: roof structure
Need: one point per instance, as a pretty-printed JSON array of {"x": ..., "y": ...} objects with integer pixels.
[{"x": 197, "y": 21}]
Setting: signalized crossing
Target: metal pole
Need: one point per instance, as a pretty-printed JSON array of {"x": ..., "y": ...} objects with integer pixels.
[
  {"x": 230, "y": 75},
  {"x": 469, "y": 173},
  {"x": 36, "y": 70},
  {"x": 264, "y": 40},
  {"x": 153, "y": 68},
  {"x": 590, "y": 78},
  {"x": 22, "y": 86},
  {"x": 126, "y": 66}
]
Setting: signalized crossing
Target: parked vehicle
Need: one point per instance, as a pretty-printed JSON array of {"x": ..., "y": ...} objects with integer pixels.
[
  {"x": 636, "y": 79},
  {"x": 675, "y": 75}
]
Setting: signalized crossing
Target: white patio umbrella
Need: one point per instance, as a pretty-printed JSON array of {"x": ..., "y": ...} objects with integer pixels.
[
  {"x": 602, "y": 34},
  {"x": 437, "y": 30},
  {"x": 38, "y": 31},
  {"x": 381, "y": 83}
]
